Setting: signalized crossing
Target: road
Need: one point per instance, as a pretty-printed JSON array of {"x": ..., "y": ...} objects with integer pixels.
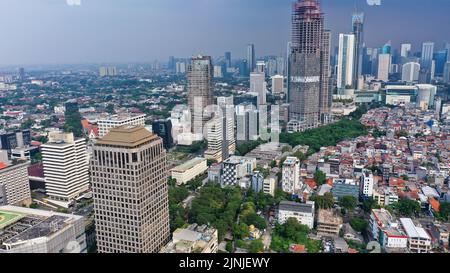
[{"x": 267, "y": 236}]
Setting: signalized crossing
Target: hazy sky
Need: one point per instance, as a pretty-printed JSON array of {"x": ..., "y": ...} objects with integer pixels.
[{"x": 53, "y": 32}]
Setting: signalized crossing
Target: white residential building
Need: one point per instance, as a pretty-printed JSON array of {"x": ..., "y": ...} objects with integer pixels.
[
  {"x": 302, "y": 212},
  {"x": 113, "y": 121},
  {"x": 291, "y": 175},
  {"x": 270, "y": 185},
  {"x": 366, "y": 184},
  {"x": 258, "y": 85},
  {"x": 66, "y": 168},
  {"x": 214, "y": 137},
  {"x": 410, "y": 72},
  {"x": 384, "y": 65},
  {"x": 418, "y": 239},
  {"x": 41, "y": 231},
  {"x": 189, "y": 170}
]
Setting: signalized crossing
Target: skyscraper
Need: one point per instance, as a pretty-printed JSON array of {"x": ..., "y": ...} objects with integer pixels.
[
  {"x": 410, "y": 72},
  {"x": 251, "y": 58},
  {"x": 226, "y": 104},
  {"x": 258, "y": 85},
  {"x": 358, "y": 32},
  {"x": 163, "y": 128},
  {"x": 387, "y": 48},
  {"x": 66, "y": 168},
  {"x": 345, "y": 72},
  {"x": 326, "y": 95},
  {"x": 306, "y": 63},
  {"x": 405, "y": 50},
  {"x": 384, "y": 64},
  {"x": 427, "y": 55},
  {"x": 200, "y": 90},
  {"x": 228, "y": 59},
  {"x": 129, "y": 182}
]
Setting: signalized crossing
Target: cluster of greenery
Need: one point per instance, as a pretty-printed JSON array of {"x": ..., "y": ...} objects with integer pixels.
[
  {"x": 177, "y": 213},
  {"x": 292, "y": 232},
  {"x": 249, "y": 217},
  {"x": 320, "y": 177},
  {"x": 196, "y": 147},
  {"x": 324, "y": 202},
  {"x": 325, "y": 136},
  {"x": 358, "y": 224},
  {"x": 348, "y": 202},
  {"x": 369, "y": 204},
  {"x": 444, "y": 212},
  {"x": 217, "y": 207},
  {"x": 406, "y": 207},
  {"x": 254, "y": 246},
  {"x": 377, "y": 133},
  {"x": 73, "y": 123},
  {"x": 245, "y": 148}
]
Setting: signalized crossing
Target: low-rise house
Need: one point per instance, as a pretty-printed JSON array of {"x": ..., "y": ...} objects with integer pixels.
[
  {"x": 189, "y": 170},
  {"x": 194, "y": 239}
]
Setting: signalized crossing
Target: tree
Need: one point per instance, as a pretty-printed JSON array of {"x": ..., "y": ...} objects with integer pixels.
[
  {"x": 324, "y": 202},
  {"x": 256, "y": 246},
  {"x": 369, "y": 204},
  {"x": 320, "y": 177},
  {"x": 241, "y": 231},
  {"x": 444, "y": 212},
  {"x": 229, "y": 247},
  {"x": 407, "y": 207},
  {"x": 349, "y": 202},
  {"x": 358, "y": 224}
]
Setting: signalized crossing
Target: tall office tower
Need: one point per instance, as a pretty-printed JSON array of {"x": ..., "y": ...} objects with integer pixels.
[
  {"x": 171, "y": 65},
  {"x": 277, "y": 84},
  {"x": 163, "y": 128},
  {"x": 281, "y": 66},
  {"x": 405, "y": 51},
  {"x": 447, "y": 48},
  {"x": 214, "y": 137},
  {"x": 291, "y": 175},
  {"x": 410, "y": 72},
  {"x": 129, "y": 183},
  {"x": 326, "y": 96},
  {"x": 440, "y": 59},
  {"x": 384, "y": 64},
  {"x": 228, "y": 59},
  {"x": 358, "y": 32},
  {"x": 306, "y": 63},
  {"x": 66, "y": 168},
  {"x": 109, "y": 71},
  {"x": 226, "y": 104},
  {"x": 345, "y": 70},
  {"x": 387, "y": 48},
  {"x": 258, "y": 85},
  {"x": 374, "y": 60},
  {"x": 427, "y": 55},
  {"x": 251, "y": 58},
  {"x": 247, "y": 122},
  {"x": 200, "y": 90},
  {"x": 260, "y": 67},
  {"x": 21, "y": 74},
  {"x": 447, "y": 72}
]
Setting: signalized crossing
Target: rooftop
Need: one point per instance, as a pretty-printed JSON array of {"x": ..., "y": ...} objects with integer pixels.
[
  {"x": 127, "y": 136},
  {"x": 189, "y": 164},
  {"x": 294, "y": 206}
]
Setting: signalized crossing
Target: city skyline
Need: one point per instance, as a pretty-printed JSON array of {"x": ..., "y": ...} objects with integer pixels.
[{"x": 125, "y": 32}]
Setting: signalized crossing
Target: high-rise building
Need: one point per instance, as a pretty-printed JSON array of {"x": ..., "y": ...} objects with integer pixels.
[
  {"x": 163, "y": 128},
  {"x": 214, "y": 137},
  {"x": 129, "y": 183},
  {"x": 112, "y": 121},
  {"x": 427, "y": 55},
  {"x": 387, "y": 48},
  {"x": 226, "y": 104},
  {"x": 200, "y": 90},
  {"x": 247, "y": 122},
  {"x": 291, "y": 175},
  {"x": 384, "y": 65},
  {"x": 306, "y": 60},
  {"x": 108, "y": 71},
  {"x": 66, "y": 168},
  {"x": 345, "y": 71},
  {"x": 258, "y": 85},
  {"x": 358, "y": 32},
  {"x": 277, "y": 84},
  {"x": 366, "y": 184},
  {"x": 447, "y": 72},
  {"x": 405, "y": 51},
  {"x": 410, "y": 72},
  {"x": 17, "y": 139},
  {"x": 326, "y": 93},
  {"x": 14, "y": 183},
  {"x": 228, "y": 59},
  {"x": 22, "y": 74},
  {"x": 251, "y": 58}
]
